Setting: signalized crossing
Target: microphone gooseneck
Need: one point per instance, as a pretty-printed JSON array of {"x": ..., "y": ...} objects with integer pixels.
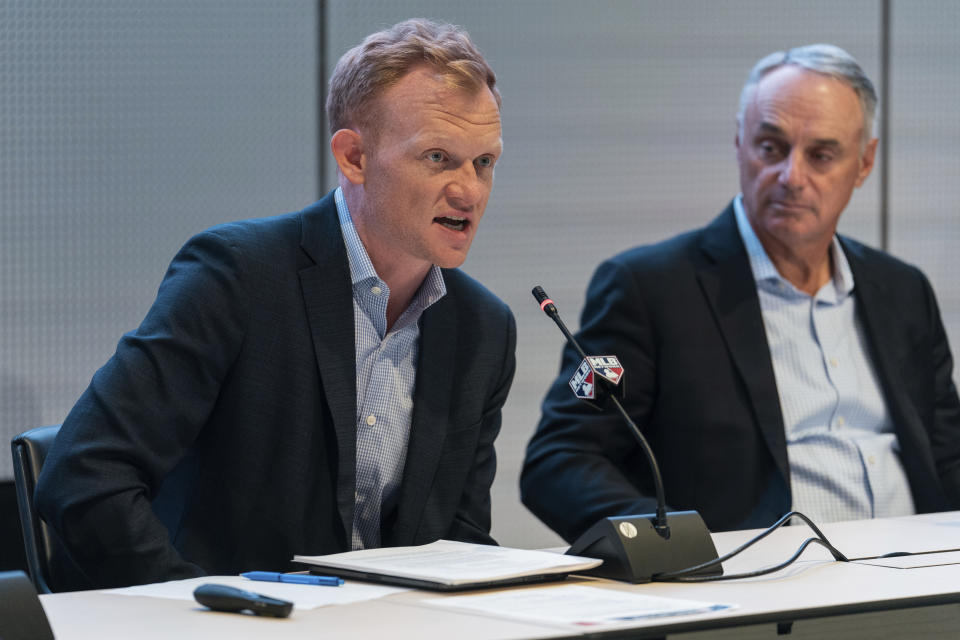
[{"x": 660, "y": 525}]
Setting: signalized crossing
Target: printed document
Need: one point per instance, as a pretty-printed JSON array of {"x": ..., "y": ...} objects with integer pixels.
[{"x": 578, "y": 605}]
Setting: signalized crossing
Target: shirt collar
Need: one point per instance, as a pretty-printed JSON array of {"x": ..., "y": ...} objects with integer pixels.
[
  {"x": 361, "y": 268},
  {"x": 764, "y": 269}
]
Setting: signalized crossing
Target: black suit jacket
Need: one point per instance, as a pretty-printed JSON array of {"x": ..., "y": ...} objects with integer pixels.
[
  {"x": 684, "y": 318},
  {"x": 220, "y": 437}
]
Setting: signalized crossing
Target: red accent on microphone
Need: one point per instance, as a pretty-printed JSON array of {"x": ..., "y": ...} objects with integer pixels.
[{"x": 543, "y": 305}]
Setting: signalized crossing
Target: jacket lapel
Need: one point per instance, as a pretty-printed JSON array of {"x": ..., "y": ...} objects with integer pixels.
[
  {"x": 730, "y": 290},
  {"x": 328, "y": 298},
  {"x": 431, "y": 416}
]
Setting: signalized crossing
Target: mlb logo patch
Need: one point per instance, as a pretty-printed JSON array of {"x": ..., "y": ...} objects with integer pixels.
[
  {"x": 582, "y": 382},
  {"x": 607, "y": 366}
]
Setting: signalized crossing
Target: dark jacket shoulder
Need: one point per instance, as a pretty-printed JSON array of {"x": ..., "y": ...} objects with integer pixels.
[{"x": 471, "y": 296}]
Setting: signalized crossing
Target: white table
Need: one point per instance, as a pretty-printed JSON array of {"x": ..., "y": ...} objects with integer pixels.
[{"x": 818, "y": 596}]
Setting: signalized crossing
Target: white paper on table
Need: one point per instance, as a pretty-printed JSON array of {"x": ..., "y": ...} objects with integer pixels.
[
  {"x": 303, "y": 596},
  {"x": 578, "y": 605},
  {"x": 915, "y": 561}
]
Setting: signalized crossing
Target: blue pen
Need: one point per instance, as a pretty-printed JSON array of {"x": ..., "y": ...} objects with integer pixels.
[{"x": 294, "y": 578}]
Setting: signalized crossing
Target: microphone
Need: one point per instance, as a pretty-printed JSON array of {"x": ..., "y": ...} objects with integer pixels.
[{"x": 633, "y": 548}]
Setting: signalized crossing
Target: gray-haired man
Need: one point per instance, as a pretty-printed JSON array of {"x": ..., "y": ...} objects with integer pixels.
[{"x": 771, "y": 363}]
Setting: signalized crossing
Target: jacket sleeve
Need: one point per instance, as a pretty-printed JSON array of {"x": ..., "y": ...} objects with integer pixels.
[
  {"x": 582, "y": 464},
  {"x": 139, "y": 416}
]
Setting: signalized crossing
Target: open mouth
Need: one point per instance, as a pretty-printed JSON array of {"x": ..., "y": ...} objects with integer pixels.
[{"x": 453, "y": 223}]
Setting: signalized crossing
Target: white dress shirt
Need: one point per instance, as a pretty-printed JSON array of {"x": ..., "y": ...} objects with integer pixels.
[
  {"x": 386, "y": 373},
  {"x": 843, "y": 452}
]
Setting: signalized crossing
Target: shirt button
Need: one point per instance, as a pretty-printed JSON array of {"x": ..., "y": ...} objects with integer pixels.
[
  {"x": 371, "y": 419},
  {"x": 833, "y": 362},
  {"x": 376, "y": 290},
  {"x": 841, "y": 421},
  {"x": 871, "y": 460}
]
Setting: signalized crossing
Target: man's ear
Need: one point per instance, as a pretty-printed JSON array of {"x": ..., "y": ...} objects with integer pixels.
[
  {"x": 736, "y": 140},
  {"x": 347, "y": 148},
  {"x": 866, "y": 161}
]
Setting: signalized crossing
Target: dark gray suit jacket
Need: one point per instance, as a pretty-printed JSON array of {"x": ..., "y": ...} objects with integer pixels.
[
  {"x": 684, "y": 318},
  {"x": 221, "y": 435}
]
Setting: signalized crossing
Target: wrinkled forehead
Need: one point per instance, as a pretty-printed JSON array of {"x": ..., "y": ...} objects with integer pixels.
[
  {"x": 470, "y": 108},
  {"x": 424, "y": 99},
  {"x": 791, "y": 96}
]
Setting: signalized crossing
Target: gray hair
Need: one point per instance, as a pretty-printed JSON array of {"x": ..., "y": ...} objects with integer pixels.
[{"x": 827, "y": 59}]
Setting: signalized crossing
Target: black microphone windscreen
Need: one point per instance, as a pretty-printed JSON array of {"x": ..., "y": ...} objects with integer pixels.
[{"x": 539, "y": 294}]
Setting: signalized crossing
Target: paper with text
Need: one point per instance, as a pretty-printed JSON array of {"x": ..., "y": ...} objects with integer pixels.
[{"x": 577, "y": 605}]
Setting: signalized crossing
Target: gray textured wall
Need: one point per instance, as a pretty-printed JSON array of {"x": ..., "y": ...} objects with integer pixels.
[{"x": 126, "y": 127}]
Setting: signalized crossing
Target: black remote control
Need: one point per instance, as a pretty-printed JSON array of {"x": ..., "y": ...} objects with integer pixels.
[{"x": 220, "y": 597}]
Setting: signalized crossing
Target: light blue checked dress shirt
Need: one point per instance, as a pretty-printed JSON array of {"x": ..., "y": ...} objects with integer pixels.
[
  {"x": 386, "y": 372},
  {"x": 844, "y": 462}
]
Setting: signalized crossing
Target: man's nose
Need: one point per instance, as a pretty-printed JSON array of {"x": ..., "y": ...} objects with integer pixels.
[
  {"x": 466, "y": 188},
  {"x": 793, "y": 171}
]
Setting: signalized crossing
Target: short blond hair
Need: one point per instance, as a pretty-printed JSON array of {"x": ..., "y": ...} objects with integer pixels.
[{"x": 377, "y": 63}]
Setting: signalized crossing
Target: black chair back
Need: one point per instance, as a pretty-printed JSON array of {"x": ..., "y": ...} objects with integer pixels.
[{"x": 47, "y": 559}]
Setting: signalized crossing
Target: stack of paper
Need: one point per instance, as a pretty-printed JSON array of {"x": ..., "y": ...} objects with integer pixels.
[{"x": 447, "y": 565}]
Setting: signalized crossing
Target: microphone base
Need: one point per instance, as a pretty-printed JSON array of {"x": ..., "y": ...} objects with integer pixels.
[{"x": 633, "y": 551}]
